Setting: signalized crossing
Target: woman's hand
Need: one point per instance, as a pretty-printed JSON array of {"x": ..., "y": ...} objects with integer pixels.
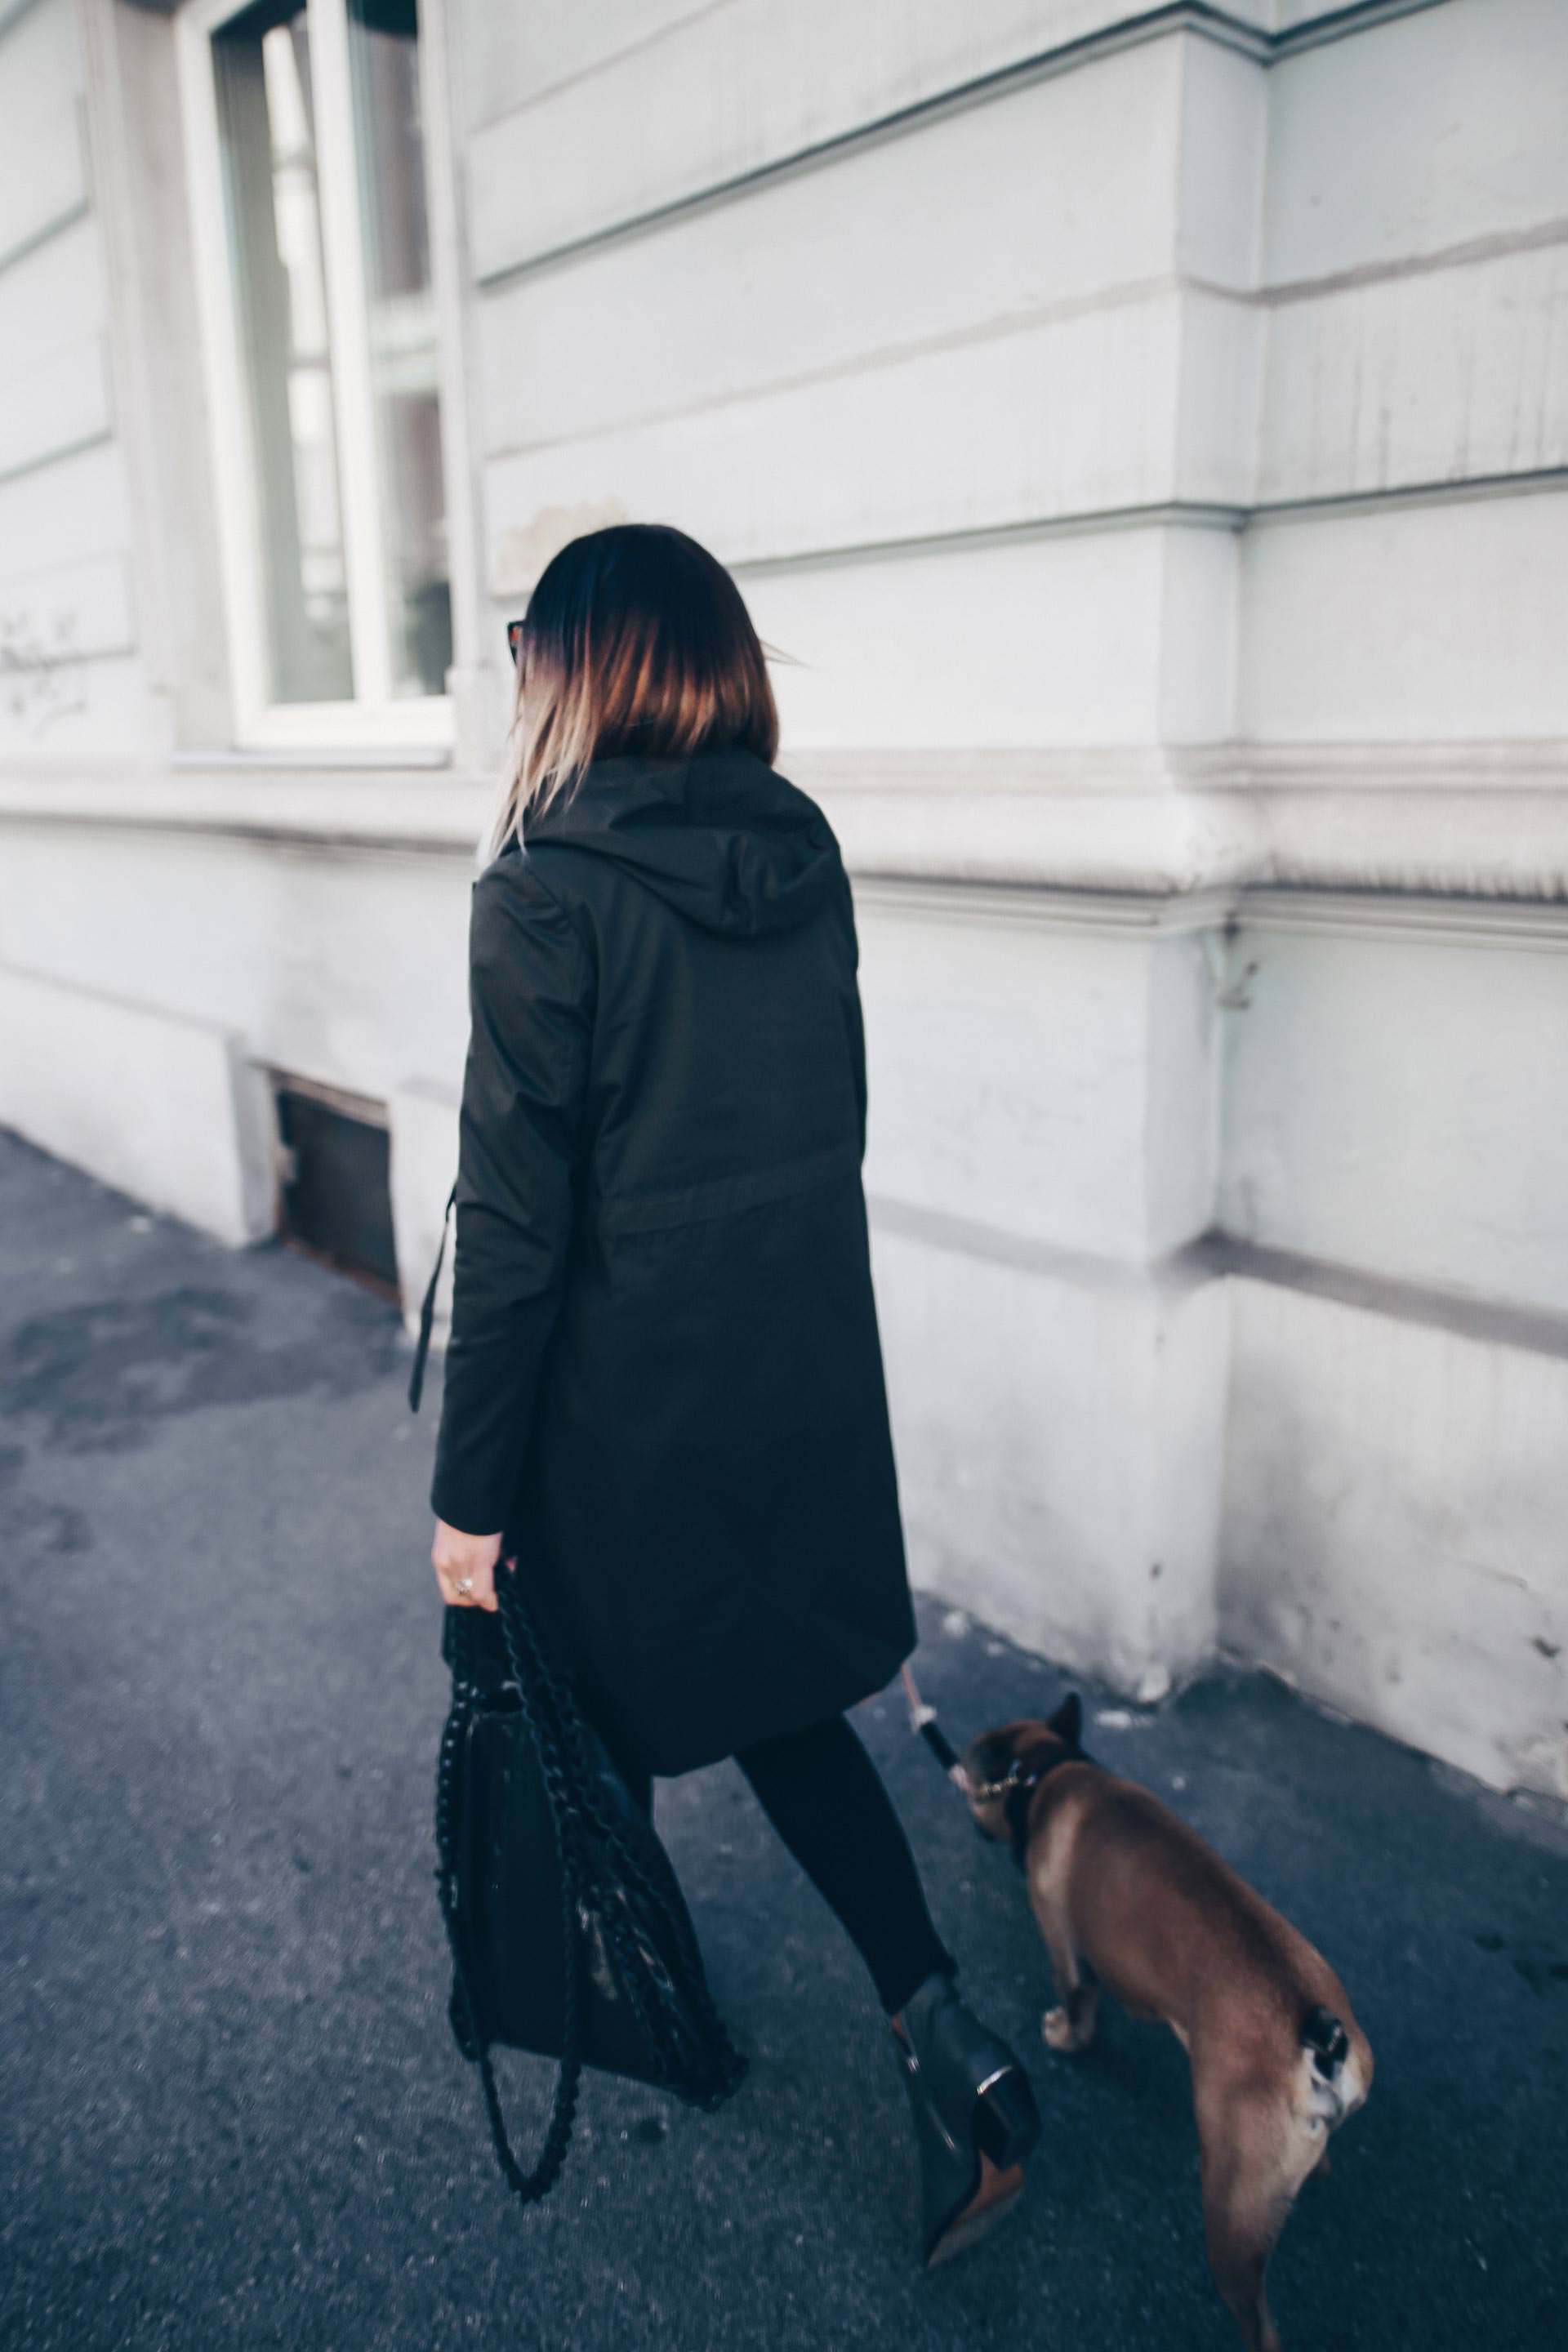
[{"x": 465, "y": 1566}]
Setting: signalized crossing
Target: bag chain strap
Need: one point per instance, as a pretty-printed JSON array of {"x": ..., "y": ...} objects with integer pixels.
[
  {"x": 526, "y": 1656},
  {"x": 527, "y": 2187}
]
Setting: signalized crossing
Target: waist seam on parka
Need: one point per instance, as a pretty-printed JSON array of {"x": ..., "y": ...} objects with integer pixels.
[{"x": 641, "y": 1213}]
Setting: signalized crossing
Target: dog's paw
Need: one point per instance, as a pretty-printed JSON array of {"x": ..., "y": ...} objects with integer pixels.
[{"x": 1056, "y": 2031}]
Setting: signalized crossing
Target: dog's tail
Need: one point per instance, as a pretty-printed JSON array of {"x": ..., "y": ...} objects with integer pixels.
[{"x": 1325, "y": 2037}]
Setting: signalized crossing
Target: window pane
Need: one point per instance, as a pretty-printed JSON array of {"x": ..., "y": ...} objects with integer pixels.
[
  {"x": 262, "y": 63},
  {"x": 384, "y": 65}
]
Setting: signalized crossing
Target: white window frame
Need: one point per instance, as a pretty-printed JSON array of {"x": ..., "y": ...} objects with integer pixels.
[{"x": 374, "y": 718}]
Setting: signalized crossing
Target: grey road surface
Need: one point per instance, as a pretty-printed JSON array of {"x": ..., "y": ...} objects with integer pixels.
[{"x": 231, "y": 2112}]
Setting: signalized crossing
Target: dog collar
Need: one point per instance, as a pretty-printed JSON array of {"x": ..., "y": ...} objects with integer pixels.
[{"x": 1018, "y": 1788}]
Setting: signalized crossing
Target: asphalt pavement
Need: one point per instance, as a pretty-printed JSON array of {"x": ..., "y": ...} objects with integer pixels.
[{"x": 231, "y": 2113}]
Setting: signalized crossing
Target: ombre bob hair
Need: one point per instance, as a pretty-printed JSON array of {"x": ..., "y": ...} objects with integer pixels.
[{"x": 636, "y": 640}]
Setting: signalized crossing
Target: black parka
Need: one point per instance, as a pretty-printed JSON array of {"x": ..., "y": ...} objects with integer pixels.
[{"x": 664, "y": 1381}]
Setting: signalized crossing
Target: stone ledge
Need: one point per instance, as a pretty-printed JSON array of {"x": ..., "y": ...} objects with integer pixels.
[
  {"x": 1484, "y": 822},
  {"x": 1219, "y": 1256}
]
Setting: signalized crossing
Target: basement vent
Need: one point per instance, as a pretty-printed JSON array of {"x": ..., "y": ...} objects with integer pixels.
[{"x": 334, "y": 1193}]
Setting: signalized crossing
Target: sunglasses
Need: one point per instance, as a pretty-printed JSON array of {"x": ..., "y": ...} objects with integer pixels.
[{"x": 514, "y": 648}]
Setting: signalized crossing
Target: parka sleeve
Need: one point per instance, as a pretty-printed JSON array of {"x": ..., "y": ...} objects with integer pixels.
[{"x": 530, "y": 1002}]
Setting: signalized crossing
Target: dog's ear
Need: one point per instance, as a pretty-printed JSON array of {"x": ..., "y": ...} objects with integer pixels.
[{"x": 1068, "y": 1720}]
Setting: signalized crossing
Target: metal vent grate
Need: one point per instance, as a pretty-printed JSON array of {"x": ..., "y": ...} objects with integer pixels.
[{"x": 334, "y": 1192}]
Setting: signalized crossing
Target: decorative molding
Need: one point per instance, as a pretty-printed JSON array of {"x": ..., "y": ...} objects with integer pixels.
[
  {"x": 1340, "y": 23},
  {"x": 54, "y": 227},
  {"x": 1476, "y": 820},
  {"x": 1399, "y": 919},
  {"x": 351, "y": 803},
  {"x": 1330, "y": 505},
  {"x": 1493, "y": 1322},
  {"x": 1169, "y": 514},
  {"x": 1219, "y": 1256},
  {"x": 1173, "y": 514},
  {"x": 1469, "y": 253},
  {"x": 1016, "y": 73},
  {"x": 1522, "y": 764},
  {"x": 1134, "y": 837},
  {"x": 1385, "y": 915},
  {"x": 1144, "y": 915},
  {"x": 974, "y": 1237},
  {"x": 1199, "y": 17},
  {"x": 1003, "y": 327},
  {"x": 918, "y": 770}
]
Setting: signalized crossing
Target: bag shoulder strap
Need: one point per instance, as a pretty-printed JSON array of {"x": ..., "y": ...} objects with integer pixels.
[{"x": 427, "y": 1312}]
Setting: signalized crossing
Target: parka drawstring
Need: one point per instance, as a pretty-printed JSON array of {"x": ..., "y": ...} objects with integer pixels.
[{"x": 427, "y": 1312}]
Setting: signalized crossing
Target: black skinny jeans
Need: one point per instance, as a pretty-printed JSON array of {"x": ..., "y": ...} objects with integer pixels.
[{"x": 824, "y": 1798}]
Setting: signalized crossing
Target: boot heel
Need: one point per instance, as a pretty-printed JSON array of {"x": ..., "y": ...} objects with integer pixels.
[
  {"x": 974, "y": 2116},
  {"x": 1006, "y": 2120}
]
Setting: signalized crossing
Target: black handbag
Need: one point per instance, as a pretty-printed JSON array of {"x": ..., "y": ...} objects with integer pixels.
[{"x": 569, "y": 1933}]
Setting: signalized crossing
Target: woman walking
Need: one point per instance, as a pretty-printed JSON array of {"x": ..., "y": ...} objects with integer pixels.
[{"x": 664, "y": 1399}]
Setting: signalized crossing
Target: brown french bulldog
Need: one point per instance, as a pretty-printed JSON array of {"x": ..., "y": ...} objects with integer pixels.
[{"x": 1131, "y": 1901}]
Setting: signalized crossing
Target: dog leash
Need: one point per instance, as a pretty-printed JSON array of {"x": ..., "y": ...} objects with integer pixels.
[{"x": 923, "y": 1720}]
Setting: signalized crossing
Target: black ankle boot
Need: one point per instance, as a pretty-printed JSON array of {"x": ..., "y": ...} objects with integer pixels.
[{"x": 976, "y": 2118}]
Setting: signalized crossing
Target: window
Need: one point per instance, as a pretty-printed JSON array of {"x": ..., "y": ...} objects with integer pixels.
[{"x": 307, "y": 183}]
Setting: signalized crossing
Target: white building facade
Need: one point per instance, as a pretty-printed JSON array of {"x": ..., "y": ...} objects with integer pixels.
[{"x": 1146, "y": 433}]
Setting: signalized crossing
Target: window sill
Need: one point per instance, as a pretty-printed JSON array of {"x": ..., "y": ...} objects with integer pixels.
[
  {"x": 427, "y": 724},
  {"x": 302, "y": 759}
]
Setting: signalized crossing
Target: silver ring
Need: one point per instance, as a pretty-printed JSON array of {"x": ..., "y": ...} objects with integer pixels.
[{"x": 464, "y": 1586}]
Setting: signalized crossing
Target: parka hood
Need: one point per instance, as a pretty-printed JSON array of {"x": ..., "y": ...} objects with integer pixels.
[{"x": 721, "y": 836}]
